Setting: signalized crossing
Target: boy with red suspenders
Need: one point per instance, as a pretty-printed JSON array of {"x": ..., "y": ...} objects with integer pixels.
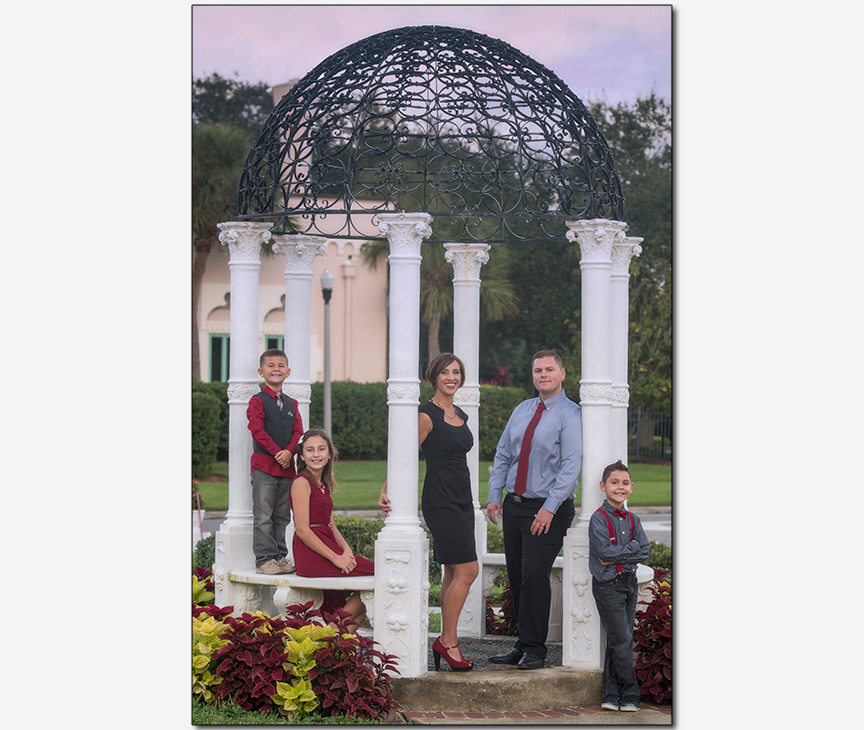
[{"x": 616, "y": 543}]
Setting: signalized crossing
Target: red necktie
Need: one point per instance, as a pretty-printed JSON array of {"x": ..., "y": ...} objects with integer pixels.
[{"x": 525, "y": 451}]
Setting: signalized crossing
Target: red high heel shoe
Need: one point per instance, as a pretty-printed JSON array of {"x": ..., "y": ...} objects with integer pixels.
[{"x": 456, "y": 665}]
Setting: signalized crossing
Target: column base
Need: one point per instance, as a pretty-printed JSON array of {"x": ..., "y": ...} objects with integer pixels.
[
  {"x": 401, "y": 603},
  {"x": 583, "y": 645},
  {"x": 234, "y": 544}
]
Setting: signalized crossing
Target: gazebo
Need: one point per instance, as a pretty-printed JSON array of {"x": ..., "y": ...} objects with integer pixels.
[{"x": 446, "y": 135}]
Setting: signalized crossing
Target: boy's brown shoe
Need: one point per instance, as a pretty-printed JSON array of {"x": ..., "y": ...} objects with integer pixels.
[
  {"x": 286, "y": 565},
  {"x": 271, "y": 567}
]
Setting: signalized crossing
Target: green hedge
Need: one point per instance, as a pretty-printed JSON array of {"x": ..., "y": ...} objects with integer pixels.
[
  {"x": 660, "y": 557},
  {"x": 205, "y": 432},
  {"x": 496, "y": 405},
  {"x": 220, "y": 391},
  {"x": 359, "y": 533},
  {"x": 204, "y": 555},
  {"x": 359, "y": 415}
]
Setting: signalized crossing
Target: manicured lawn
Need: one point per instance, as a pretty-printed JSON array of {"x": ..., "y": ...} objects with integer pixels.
[
  {"x": 360, "y": 483},
  {"x": 652, "y": 484}
]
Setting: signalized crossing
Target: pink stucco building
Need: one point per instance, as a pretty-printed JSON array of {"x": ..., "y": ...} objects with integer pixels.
[{"x": 358, "y": 314}]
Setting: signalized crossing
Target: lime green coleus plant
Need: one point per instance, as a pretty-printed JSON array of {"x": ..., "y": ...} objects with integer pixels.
[
  {"x": 200, "y": 594},
  {"x": 297, "y": 697},
  {"x": 206, "y": 642}
]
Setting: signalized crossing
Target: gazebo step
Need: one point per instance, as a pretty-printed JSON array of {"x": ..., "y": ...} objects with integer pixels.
[{"x": 503, "y": 690}]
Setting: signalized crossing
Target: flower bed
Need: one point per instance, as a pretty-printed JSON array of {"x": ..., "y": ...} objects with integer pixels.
[{"x": 296, "y": 666}]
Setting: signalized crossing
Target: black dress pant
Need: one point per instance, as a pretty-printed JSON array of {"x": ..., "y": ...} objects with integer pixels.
[
  {"x": 529, "y": 567},
  {"x": 616, "y": 603}
]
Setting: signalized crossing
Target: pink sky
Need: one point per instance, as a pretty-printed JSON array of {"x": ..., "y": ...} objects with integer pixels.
[{"x": 601, "y": 52}]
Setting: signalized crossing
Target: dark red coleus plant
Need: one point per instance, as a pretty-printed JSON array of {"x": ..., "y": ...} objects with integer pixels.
[
  {"x": 252, "y": 662},
  {"x": 350, "y": 676},
  {"x": 653, "y": 643},
  {"x": 504, "y": 622}
]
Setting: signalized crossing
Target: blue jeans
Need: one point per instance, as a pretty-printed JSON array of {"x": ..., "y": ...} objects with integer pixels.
[
  {"x": 616, "y": 604},
  {"x": 271, "y": 514}
]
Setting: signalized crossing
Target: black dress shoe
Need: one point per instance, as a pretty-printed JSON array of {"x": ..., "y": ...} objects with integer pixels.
[
  {"x": 511, "y": 657},
  {"x": 531, "y": 661}
]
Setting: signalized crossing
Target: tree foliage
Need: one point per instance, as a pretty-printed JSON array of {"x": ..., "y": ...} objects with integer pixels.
[
  {"x": 218, "y": 153},
  {"x": 217, "y": 100},
  {"x": 548, "y": 280},
  {"x": 640, "y": 137},
  {"x": 227, "y": 115}
]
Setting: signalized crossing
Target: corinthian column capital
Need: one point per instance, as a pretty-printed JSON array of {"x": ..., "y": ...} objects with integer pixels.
[
  {"x": 623, "y": 252},
  {"x": 596, "y": 238},
  {"x": 244, "y": 240},
  {"x": 299, "y": 251},
  {"x": 466, "y": 259},
  {"x": 405, "y": 232}
]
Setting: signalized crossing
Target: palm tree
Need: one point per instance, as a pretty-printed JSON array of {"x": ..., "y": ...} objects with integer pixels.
[
  {"x": 498, "y": 298},
  {"x": 218, "y": 154}
]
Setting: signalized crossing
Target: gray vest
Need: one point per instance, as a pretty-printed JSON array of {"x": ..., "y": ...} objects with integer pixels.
[{"x": 278, "y": 424}]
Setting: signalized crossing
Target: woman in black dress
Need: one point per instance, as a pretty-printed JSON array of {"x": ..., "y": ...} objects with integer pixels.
[{"x": 448, "y": 507}]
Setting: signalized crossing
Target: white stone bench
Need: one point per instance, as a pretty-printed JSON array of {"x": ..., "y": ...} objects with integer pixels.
[{"x": 292, "y": 588}]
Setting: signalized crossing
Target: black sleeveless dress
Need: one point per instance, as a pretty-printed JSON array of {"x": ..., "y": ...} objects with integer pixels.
[{"x": 448, "y": 508}]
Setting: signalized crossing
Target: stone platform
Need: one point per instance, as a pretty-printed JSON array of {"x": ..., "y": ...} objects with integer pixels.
[
  {"x": 492, "y": 694},
  {"x": 498, "y": 687}
]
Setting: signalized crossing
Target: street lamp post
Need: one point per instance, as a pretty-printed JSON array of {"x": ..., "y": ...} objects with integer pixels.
[{"x": 327, "y": 290}]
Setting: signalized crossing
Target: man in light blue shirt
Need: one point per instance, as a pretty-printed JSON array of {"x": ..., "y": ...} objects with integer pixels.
[{"x": 533, "y": 495}]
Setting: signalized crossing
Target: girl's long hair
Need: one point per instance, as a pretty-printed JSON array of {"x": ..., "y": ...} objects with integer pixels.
[{"x": 327, "y": 473}]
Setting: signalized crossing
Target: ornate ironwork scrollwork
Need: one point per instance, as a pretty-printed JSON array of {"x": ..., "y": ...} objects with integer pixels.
[{"x": 445, "y": 121}]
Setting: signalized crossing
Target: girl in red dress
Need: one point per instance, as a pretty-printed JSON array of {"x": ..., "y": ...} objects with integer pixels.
[{"x": 319, "y": 548}]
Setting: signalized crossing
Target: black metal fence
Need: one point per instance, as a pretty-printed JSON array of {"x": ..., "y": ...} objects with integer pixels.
[{"x": 649, "y": 436}]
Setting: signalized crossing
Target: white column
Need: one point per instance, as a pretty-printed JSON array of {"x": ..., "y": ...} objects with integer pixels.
[
  {"x": 623, "y": 252},
  {"x": 583, "y": 642},
  {"x": 234, "y": 539},
  {"x": 467, "y": 259},
  {"x": 402, "y": 549},
  {"x": 299, "y": 252},
  {"x": 349, "y": 272}
]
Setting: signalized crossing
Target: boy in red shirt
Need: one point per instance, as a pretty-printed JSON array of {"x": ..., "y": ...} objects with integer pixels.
[{"x": 276, "y": 427}]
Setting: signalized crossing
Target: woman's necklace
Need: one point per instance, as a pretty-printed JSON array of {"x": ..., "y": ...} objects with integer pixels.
[{"x": 453, "y": 417}]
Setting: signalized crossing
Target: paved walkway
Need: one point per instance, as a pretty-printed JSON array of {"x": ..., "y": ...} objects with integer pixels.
[{"x": 646, "y": 715}]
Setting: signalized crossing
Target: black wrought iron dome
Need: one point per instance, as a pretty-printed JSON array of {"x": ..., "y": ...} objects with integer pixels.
[{"x": 430, "y": 119}]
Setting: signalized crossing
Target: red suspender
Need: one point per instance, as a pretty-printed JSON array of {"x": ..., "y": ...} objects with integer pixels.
[{"x": 612, "y": 531}]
